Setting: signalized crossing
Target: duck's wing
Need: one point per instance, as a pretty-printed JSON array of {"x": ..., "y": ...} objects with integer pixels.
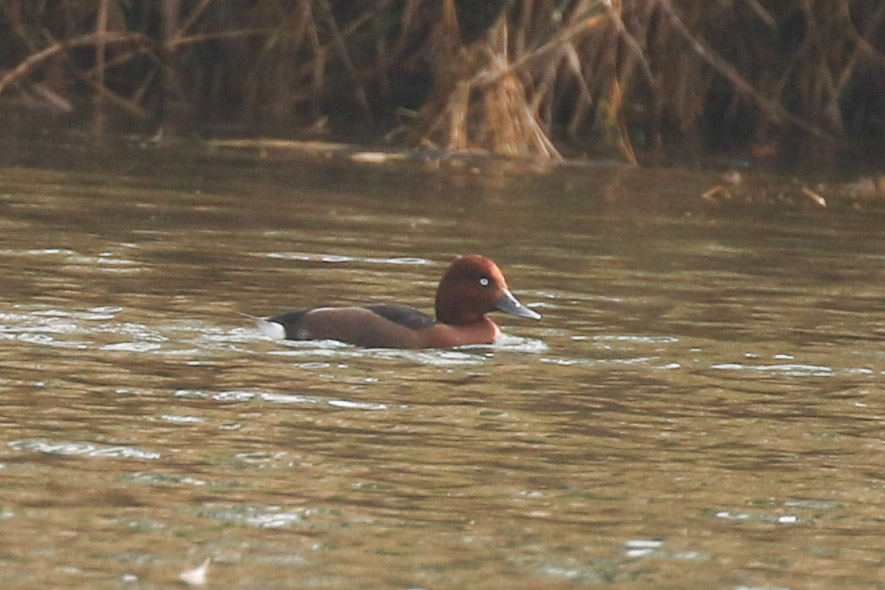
[{"x": 404, "y": 315}]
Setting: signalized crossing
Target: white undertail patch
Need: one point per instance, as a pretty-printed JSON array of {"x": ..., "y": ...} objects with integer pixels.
[
  {"x": 271, "y": 329},
  {"x": 267, "y": 327}
]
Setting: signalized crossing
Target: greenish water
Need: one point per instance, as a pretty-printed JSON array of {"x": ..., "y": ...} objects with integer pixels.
[{"x": 700, "y": 407}]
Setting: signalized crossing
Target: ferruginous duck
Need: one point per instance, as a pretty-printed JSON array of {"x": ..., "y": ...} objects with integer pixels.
[{"x": 471, "y": 287}]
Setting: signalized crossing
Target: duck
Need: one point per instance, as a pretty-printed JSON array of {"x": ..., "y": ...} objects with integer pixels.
[{"x": 471, "y": 287}]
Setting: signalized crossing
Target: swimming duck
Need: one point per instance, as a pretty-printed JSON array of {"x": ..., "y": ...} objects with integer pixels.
[{"x": 471, "y": 287}]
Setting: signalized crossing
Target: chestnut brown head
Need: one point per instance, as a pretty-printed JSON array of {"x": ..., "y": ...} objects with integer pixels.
[{"x": 472, "y": 287}]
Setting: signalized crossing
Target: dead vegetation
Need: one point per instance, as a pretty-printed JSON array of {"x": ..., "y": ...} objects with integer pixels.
[{"x": 518, "y": 77}]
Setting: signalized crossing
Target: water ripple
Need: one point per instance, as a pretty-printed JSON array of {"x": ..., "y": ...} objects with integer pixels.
[
  {"x": 338, "y": 258},
  {"x": 791, "y": 369},
  {"x": 267, "y": 517},
  {"x": 87, "y": 449}
]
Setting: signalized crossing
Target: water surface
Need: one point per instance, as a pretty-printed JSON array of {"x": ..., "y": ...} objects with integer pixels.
[{"x": 700, "y": 406}]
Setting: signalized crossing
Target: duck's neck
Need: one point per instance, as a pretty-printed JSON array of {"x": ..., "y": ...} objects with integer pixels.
[
  {"x": 455, "y": 312},
  {"x": 484, "y": 331}
]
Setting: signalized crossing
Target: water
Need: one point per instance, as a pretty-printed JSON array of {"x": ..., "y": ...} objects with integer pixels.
[{"x": 700, "y": 406}]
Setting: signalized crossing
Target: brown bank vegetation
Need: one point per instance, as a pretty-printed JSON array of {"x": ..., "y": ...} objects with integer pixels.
[{"x": 517, "y": 77}]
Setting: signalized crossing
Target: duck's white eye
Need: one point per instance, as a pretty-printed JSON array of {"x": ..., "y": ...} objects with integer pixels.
[{"x": 484, "y": 282}]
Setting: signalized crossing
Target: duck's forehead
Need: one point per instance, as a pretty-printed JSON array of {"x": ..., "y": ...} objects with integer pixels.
[
  {"x": 473, "y": 267},
  {"x": 495, "y": 273},
  {"x": 484, "y": 268}
]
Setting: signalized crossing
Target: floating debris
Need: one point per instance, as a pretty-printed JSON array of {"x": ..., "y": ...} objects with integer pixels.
[
  {"x": 816, "y": 198},
  {"x": 735, "y": 188},
  {"x": 196, "y": 576}
]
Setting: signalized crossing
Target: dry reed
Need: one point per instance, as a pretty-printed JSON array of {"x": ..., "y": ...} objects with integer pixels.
[{"x": 521, "y": 77}]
